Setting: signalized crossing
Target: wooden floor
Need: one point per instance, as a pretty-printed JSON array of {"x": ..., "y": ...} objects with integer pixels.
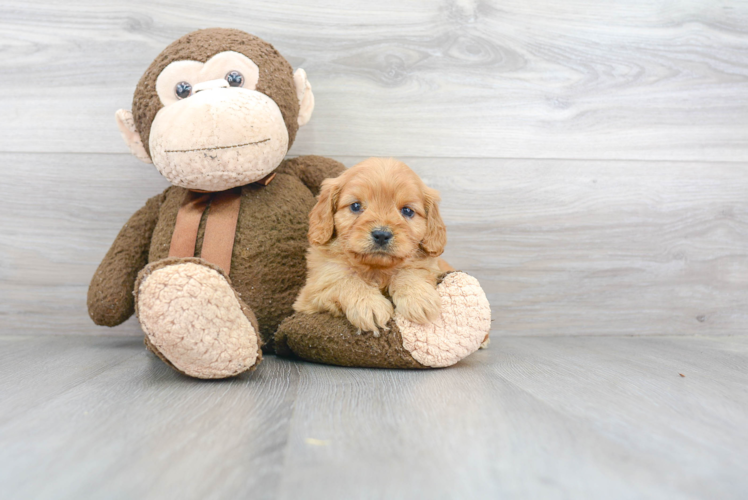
[{"x": 532, "y": 417}]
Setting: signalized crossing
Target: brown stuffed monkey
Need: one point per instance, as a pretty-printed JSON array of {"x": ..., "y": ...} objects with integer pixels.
[{"x": 212, "y": 265}]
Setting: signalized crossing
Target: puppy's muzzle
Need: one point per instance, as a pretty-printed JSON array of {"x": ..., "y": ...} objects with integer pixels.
[{"x": 381, "y": 237}]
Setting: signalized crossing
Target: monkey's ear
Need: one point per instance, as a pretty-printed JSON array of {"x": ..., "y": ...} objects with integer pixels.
[
  {"x": 130, "y": 134},
  {"x": 305, "y": 96}
]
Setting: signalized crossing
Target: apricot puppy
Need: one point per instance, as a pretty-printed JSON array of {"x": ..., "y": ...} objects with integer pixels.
[{"x": 375, "y": 232}]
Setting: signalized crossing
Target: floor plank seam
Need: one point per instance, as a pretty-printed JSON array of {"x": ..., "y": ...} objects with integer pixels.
[{"x": 289, "y": 430}]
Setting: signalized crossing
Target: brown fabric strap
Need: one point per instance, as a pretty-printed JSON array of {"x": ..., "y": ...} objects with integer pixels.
[
  {"x": 265, "y": 180},
  {"x": 220, "y": 229},
  {"x": 188, "y": 222}
]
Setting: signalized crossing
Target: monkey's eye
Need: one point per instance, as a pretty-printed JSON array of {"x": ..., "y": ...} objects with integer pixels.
[
  {"x": 183, "y": 90},
  {"x": 407, "y": 212},
  {"x": 234, "y": 78},
  {"x": 355, "y": 207}
]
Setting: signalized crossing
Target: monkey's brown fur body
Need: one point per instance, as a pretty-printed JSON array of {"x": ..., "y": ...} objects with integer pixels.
[{"x": 267, "y": 266}]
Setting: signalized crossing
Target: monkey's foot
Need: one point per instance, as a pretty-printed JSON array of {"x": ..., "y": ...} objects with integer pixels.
[
  {"x": 460, "y": 330},
  {"x": 194, "y": 320},
  {"x": 462, "y": 326}
]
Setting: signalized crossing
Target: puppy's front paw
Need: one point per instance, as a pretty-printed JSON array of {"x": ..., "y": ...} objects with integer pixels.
[
  {"x": 419, "y": 306},
  {"x": 370, "y": 313}
]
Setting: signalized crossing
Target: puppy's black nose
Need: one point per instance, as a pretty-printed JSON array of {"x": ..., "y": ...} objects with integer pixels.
[{"x": 381, "y": 237}]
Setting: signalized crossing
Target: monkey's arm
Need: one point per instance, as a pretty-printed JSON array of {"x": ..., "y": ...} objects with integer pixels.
[
  {"x": 110, "y": 295},
  {"x": 312, "y": 170}
]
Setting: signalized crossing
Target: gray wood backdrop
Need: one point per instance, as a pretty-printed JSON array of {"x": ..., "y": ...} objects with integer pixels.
[{"x": 591, "y": 155}]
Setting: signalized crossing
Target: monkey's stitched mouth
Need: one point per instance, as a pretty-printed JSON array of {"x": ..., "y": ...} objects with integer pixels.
[{"x": 216, "y": 147}]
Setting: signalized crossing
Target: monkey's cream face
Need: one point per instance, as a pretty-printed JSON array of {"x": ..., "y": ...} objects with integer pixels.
[{"x": 215, "y": 131}]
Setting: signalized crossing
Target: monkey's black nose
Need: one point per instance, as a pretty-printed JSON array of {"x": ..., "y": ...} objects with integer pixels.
[{"x": 381, "y": 237}]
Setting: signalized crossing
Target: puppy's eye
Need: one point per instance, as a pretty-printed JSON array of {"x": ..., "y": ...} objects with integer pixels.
[
  {"x": 183, "y": 90},
  {"x": 407, "y": 212},
  {"x": 355, "y": 207}
]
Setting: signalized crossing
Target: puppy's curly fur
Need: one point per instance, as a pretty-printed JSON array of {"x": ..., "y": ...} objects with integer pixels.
[{"x": 375, "y": 232}]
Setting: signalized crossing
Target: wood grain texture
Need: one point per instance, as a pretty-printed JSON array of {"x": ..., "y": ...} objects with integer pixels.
[
  {"x": 136, "y": 429},
  {"x": 583, "y": 417},
  {"x": 530, "y": 418},
  {"x": 63, "y": 212},
  {"x": 561, "y": 247},
  {"x": 456, "y": 78}
]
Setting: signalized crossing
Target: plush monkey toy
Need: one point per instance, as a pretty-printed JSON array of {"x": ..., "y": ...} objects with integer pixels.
[{"x": 212, "y": 265}]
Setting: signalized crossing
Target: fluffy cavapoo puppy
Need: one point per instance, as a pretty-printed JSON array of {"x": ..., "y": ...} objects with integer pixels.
[{"x": 375, "y": 234}]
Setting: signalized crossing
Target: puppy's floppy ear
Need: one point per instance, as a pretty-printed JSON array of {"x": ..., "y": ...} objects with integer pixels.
[
  {"x": 436, "y": 232},
  {"x": 321, "y": 221}
]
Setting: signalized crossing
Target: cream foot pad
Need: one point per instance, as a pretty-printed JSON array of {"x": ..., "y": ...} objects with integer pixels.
[
  {"x": 192, "y": 315},
  {"x": 460, "y": 330}
]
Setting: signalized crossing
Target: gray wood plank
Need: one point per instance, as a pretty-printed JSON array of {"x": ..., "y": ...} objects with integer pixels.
[
  {"x": 530, "y": 418},
  {"x": 540, "y": 417},
  {"x": 561, "y": 247},
  {"x": 141, "y": 430},
  {"x": 63, "y": 212},
  {"x": 540, "y": 79},
  {"x": 38, "y": 368}
]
